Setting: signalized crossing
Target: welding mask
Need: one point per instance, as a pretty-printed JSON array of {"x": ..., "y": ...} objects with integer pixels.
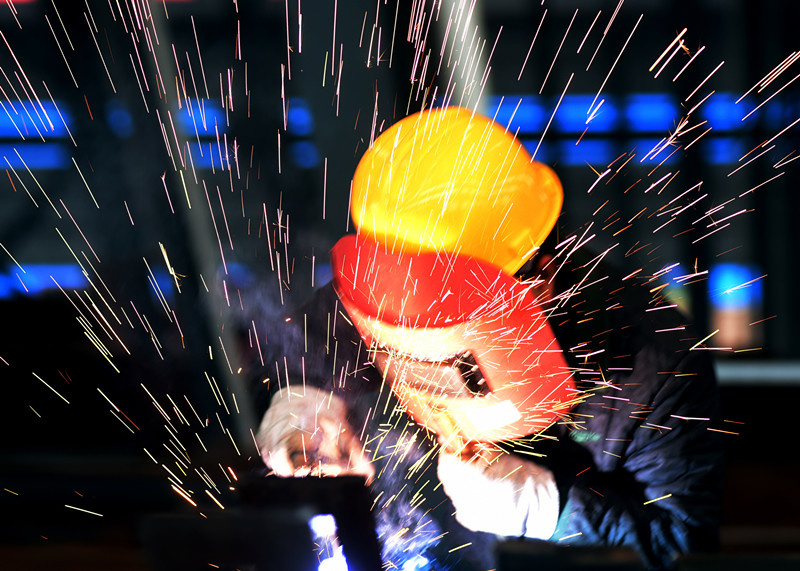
[{"x": 448, "y": 205}]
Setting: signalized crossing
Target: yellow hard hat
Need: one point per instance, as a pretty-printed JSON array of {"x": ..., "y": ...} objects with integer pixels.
[{"x": 454, "y": 181}]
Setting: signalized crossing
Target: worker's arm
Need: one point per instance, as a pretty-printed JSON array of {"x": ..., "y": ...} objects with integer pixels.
[
  {"x": 314, "y": 370},
  {"x": 664, "y": 498}
]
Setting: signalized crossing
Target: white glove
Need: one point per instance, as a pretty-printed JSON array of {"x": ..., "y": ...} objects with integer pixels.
[
  {"x": 307, "y": 432},
  {"x": 509, "y": 496}
]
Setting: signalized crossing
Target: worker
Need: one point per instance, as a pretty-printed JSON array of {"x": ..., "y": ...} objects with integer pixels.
[{"x": 487, "y": 381}]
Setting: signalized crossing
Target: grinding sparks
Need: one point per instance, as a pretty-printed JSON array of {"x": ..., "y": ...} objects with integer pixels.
[
  {"x": 83, "y": 510},
  {"x": 657, "y": 499},
  {"x": 201, "y": 153}
]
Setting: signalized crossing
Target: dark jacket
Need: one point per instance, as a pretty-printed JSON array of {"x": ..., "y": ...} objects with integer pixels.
[{"x": 638, "y": 464}]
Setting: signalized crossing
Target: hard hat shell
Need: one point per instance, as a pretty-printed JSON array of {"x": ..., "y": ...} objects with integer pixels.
[{"x": 449, "y": 180}]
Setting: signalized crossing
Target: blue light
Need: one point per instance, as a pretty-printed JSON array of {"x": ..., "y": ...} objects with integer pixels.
[
  {"x": 322, "y": 274},
  {"x": 6, "y": 287},
  {"x": 330, "y": 552},
  {"x": 528, "y": 117},
  {"x": 416, "y": 563},
  {"x": 304, "y": 154},
  {"x": 773, "y": 114},
  {"x": 651, "y": 112},
  {"x": 205, "y": 155},
  {"x": 300, "y": 119},
  {"x": 32, "y": 119},
  {"x": 203, "y": 118},
  {"x": 545, "y": 152},
  {"x": 723, "y": 150},
  {"x": 240, "y": 275},
  {"x": 591, "y": 151},
  {"x": 727, "y": 289},
  {"x": 38, "y": 278},
  {"x": 42, "y": 156},
  {"x": 119, "y": 119},
  {"x": 574, "y": 111},
  {"x": 165, "y": 284},
  {"x": 722, "y": 112}
]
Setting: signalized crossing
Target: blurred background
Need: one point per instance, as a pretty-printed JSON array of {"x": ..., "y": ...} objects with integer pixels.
[{"x": 175, "y": 173}]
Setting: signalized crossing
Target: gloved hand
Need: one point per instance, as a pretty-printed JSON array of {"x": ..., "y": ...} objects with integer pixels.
[
  {"x": 504, "y": 494},
  {"x": 307, "y": 433}
]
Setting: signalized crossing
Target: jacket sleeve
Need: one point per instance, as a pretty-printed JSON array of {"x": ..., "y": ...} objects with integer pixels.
[
  {"x": 315, "y": 345},
  {"x": 663, "y": 495}
]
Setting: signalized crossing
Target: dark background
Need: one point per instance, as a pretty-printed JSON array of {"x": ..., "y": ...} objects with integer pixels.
[{"x": 193, "y": 130}]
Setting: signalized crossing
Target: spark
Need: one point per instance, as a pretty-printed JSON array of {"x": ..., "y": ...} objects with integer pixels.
[
  {"x": 591, "y": 26},
  {"x": 740, "y": 286},
  {"x": 99, "y": 52},
  {"x": 657, "y": 499},
  {"x": 51, "y": 388},
  {"x": 686, "y": 65},
  {"x": 12, "y": 258},
  {"x": 36, "y": 181},
  {"x": 703, "y": 340},
  {"x": 764, "y": 144},
  {"x": 531, "y": 47},
  {"x": 184, "y": 495},
  {"x": 767, "y": 79},
  {"x": 605, "y": 33},
  {"x": 751, "y": 160},
  {"x": 696, "y": 89},
  {"x": 722, "y": 431},
  {"x": 762, "y": 184},
  {"x": 216, "y": 501},
  {"x": 544, "y": 132},
  {"x": 757, "y": 107},
  {"x": 619, "y": 55},
  {"x": 83, "y": 510},
  {"x": 85, "y": 183},
  {"x": 664, "y": 53},
  {"x": 558, "y": 51}
]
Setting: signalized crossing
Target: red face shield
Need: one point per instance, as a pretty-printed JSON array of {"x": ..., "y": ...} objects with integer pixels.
[{"x": 465, "y": 347}]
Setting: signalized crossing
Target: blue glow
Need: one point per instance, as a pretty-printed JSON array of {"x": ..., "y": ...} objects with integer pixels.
[
  {"x": 31, "y": 119},
  {"x": 203, "y": 118},
  {"x": 322, "y": 274},
  {"x": 119, "y": 119},
  {"x": 416, "y": 563},
  {"x": 239, "y": 275},
  {"x": 38, "y": 278},
  {"x": 645, "y": 146},
  {"x": 330, "y": 552},
  {"x": 7, "y": 288},
  {"x": 776, "y": 114},
  {"x": 300, "y": 118},
  {"x": 529, "y": 117},
  {"x": 322, "y": 525},
  {"x": 727, "y": 289},
  {"x": 304, "y": 154},
  {"x": 335, "y": 563},
  {"x": 41, "y": 156},
  {"x": 573, "y": 112},
  {"x": 591, "y": 151},
  {"x": 206, "y": 156},
  {"x": 545, "y": 152},
  {"x": 722, "y": 112},
  {"x": 723, "y": 150},
  {"x": 165, "y": 283},
  {"x": 651, "y": 112}
]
